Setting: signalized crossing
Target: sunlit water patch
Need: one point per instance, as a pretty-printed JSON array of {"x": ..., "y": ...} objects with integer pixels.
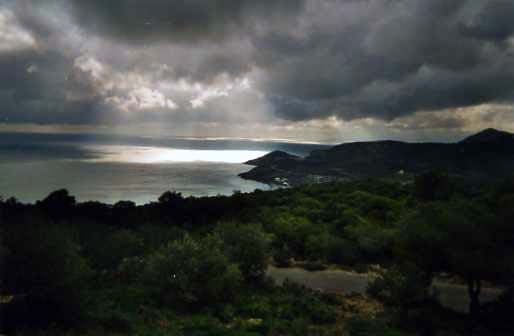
[
  {"x": 109, "y": 173},
  {"x": 154, "y": 155}
]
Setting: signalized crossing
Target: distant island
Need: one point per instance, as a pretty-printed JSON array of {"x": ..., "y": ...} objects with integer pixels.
[{"x": 482, "y": 157}]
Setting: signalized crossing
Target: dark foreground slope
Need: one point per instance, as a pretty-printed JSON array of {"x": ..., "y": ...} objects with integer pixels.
[
  {"x": 480, "y": 157},
  {"x": 202, "y": 266}
]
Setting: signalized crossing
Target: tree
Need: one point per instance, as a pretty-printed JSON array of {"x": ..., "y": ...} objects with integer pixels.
[
  {"x": 317, "y": 247},
  {"x": 59, "y": 204},
  {"x": 108, "y": 250},
  {"x": 432, "y": 186},
  {"x": 291, "y": 232},
  {"x": 374, "y": 241},
  {"x": 170, "y": 197},
  {"x": 192, "y": 273},
  {"x": 401, "y": 287},
  {"x": 45, "y": 267},
  {"x": 248, "y": 246},
  {"x": 460, "y": 238}
]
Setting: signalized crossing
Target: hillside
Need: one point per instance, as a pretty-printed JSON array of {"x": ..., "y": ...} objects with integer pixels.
[{"x": 484, "y": 156}]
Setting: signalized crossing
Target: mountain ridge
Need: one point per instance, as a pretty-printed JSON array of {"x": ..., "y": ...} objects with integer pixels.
[
  {"x": 489, "y": 135},
  {"x": 486, "y": 155}
]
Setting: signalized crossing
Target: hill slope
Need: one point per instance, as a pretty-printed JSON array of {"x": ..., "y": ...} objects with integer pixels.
[{"x": 483, "y": 156}]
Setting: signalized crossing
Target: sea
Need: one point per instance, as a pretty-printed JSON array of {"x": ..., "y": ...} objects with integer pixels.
[{"x": 108, "y": 168}]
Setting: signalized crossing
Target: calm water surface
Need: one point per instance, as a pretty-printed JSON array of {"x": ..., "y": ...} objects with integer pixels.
[
  {"x": 110, "y": 169},
  {"x": 110, "y": 182}
]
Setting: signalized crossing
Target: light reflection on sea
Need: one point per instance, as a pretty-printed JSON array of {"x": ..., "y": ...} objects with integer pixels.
[
  {"x": 141, "y": 174},
  {"x": 111, "y": 168}
]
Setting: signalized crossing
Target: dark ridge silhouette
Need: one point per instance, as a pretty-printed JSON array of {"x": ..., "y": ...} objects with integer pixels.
[
  {"x": 491, "y": 136},
  {"x": 273, "y": 157},
  {"x": 485, "y": 156}
]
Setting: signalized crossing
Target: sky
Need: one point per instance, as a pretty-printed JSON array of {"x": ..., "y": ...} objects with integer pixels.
[{"x": 303, "y": 70}]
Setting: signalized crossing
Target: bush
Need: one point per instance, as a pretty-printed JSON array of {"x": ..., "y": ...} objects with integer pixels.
[
  {"x": 374, "y": 242},
  {"x": 498, "y": 314},
  {"x": 379, "y": 208},
  {"x": 308, "y": 303},
  {"x": 47, "y": 273},
  {"x": 292, "y": 231},
  {"x": 401, "y": 287},
  {"x": 155, "y": 236},
  {"x": 108, "y": 251},
  {"x": 131, "y": 269},
  {"x": 59, "y": 204},
  {"x": 317, "y": 246},
  {"x": 247, "y": 246},
  {"x": 342, "y": 251},
  {"x": 432, "y": 186},
  {"x": 192, "y": 273},
  {"x": 282, "y": 256},
  {"x": 315, "y": 266},
  {"x": 358, "y": 326}
]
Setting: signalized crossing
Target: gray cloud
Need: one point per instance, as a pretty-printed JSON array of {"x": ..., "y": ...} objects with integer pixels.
[
  {"x": 178, "y": 62},
  {"x": 184, "y": 21},
  {"x": 492, "y": 22},
  {"x": 39, "y": 94},
  {"x": 405, "y": 57}
]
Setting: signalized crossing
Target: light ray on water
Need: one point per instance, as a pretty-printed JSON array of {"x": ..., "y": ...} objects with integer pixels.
[{"x": 153, "y": 155}]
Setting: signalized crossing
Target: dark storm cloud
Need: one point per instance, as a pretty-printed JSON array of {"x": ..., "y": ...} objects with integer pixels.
[
  {"x": 494, "y": 22},
  {"x": 38, "y": 81},
  {"x": 186, "y": 21},
  {"x": 405, "y": 57},
  {"x": 306, "y": 60},
  {"x": 41, "y": 88}
]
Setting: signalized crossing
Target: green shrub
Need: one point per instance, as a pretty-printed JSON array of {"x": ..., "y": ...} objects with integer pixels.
[
  {"x": 191, "y": 273},
  {"x": 109, "y": 250},
  {"x": 317, "y": 246},
  {"x": 155, "y": 236},
  {"x": 401, "y": 287},
  {"x": 131, "y": 269},
  {"x": 359, "y": 326},
  {"x": 282, "y": 256},
  {"x": 247, "y": 246},
  {"x": 315, "y": 266},
  {"x": 342, "y": 251},
  {"x": 47, "y": 272},
  {"x": 308, "y": 303}
]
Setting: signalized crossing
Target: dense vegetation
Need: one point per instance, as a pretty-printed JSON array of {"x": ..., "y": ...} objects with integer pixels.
[{"x": 197, "y": 266}]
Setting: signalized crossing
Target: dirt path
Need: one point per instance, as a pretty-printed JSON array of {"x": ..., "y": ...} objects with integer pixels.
[{"x": 336, "y": 281}]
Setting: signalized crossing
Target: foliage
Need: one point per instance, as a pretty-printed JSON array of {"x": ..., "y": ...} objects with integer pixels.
[
  {"x": 403, "y": 287},
  {"x": 192, "y": 273},
  {"x": 108, "y": 252},
  {"x": 58, "y": 203},
  {"x": 247, "y": 246},
  {"x": 359, "y": 326},
  {"x": 46, "y": 274},
  {"x": 197, "y": 266},
  {"x": 460, "y": 238},
  {"x": 432, "y": 186}
]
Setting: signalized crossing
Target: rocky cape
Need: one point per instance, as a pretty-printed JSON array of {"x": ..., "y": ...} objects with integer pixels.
[{"x": 485, "y": 156}]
